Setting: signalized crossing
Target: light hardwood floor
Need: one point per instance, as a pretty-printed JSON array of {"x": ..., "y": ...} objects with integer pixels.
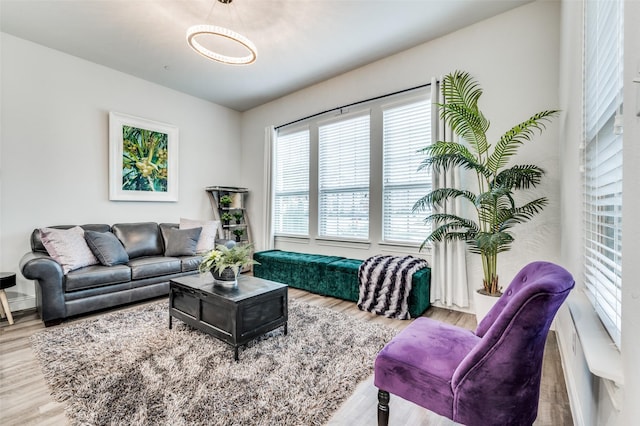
[{"x": 25, "y": 400}]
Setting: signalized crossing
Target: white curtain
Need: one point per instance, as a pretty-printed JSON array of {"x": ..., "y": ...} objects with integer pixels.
[
  {"x": 449, "y": 270},
  {"x": 268, "y": 190}
]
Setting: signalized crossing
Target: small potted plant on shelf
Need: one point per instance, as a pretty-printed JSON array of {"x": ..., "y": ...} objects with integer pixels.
[
  {"x": 226, "y": 217},
  {"x": 237, "y": 215},
  {"x": 238, "y": 233},
  {"x": 225, "y": 263},
  {"x": 225, "y": 201}
]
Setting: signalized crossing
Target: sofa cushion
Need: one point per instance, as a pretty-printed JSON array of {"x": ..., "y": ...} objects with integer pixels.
[
  {"x": 36, "y": 240},
  {"x": 153, "y": 266},
  {"x": 181, "y": 242},
  {"x": 207, "y": 240},
  {"x": 68, "y": 247},
  {"x": 106, "y": 247},
  {"x": 97, "y": 276},
  {"x": 139, "y": 239}
]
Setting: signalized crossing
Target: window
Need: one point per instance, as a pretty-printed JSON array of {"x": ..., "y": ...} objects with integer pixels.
[
  {"x": 343, "y": 175},
  {"x": 291, "y": 200},
  {"x": 406, "y": 129},
  {"x": 348, "y": 177},
  {"x": 603, "y": 160}
]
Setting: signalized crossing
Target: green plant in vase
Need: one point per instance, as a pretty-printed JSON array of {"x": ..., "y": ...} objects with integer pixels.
[
  {"x": 225, "y": 201},
  {"x": 225, "y": 261},
  {"x": 495, "y": 206},
  {"x": 238, "y": 215},
  {"x": 226, "y": 218},
  {"x": 239, "y": 232}
]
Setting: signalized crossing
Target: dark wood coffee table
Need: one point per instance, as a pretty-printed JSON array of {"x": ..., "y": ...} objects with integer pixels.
[{"x": 233, "y": 315}]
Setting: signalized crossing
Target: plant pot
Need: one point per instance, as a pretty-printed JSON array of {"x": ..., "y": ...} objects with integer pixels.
[
  {"x": 483, "y": 304},
  {"x": 238, "y": 238},
  {"x": 227, "y": 277}
]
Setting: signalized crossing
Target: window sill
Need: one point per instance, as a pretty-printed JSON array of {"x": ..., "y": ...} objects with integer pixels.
[
  {"x": 602, "y": 355},
  {"x": 357, "y": 244}
]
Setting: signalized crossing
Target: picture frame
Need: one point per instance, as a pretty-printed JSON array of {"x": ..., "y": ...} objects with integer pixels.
[{"x": 143, "y": 159}]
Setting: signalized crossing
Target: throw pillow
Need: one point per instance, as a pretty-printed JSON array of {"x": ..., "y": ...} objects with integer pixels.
[
  {"x": 182, "y": 242},
  {"x": 207, "y": 240},
  {"x": 106, "y": 247},
  {"x": 67, "y": 247}
]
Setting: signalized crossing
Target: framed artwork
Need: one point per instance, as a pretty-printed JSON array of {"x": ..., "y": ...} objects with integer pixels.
[{"x": 143, "y": 159}]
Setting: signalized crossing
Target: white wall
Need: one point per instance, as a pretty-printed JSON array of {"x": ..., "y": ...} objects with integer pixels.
[
  {"x": 514, "y": 56},
  {"x": 594, "y": 401},
  {"x": 54, "y": 148}
]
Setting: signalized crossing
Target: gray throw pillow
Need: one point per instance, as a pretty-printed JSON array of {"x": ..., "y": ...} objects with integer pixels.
[
  {"x": 182, "y": 242},
  {"x": 106, "y": 247},
  {"x": 67, "y": 247}
]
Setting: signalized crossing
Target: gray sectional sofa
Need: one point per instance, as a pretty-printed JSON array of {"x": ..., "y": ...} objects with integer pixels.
[{"x": 152, "y": 259}]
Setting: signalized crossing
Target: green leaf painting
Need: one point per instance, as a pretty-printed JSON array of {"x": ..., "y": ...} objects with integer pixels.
[{"x": 144, "y": 160}]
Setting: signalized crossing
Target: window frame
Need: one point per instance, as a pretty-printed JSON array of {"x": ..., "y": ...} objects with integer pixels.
[{"x": 602, "y": 185}]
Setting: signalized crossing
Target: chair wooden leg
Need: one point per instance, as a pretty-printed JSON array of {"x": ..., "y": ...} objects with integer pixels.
[
  {"x": 383, "y": 408},
  {"x": 5, "y": 306}
]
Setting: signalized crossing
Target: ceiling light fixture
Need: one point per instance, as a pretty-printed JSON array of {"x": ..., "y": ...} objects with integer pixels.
[{"x": 200, "y": 30}]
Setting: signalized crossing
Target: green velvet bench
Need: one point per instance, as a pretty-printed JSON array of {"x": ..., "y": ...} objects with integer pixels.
[{"x": 330, "y": 276}]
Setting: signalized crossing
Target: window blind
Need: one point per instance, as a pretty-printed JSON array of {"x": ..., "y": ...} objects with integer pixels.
[
  {"x": 406, "y": 129},
  {"x": 603, "y": 160},
  {"x": 291, "y": 198},
  {"x": 343, "y": 178}
]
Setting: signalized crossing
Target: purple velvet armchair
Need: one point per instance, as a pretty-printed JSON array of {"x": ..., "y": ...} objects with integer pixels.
[{"x": 490, "y": 377}]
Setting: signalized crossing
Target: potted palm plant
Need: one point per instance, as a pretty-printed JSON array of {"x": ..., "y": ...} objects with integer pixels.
[
  {"x": 495, "y": 207},
  {"x": 225, "y": 263}
]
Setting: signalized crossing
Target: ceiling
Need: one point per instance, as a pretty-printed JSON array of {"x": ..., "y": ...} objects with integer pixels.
[{"x": 299, "y": 42}]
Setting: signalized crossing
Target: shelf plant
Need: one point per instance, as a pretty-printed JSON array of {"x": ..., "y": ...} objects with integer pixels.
[
  {"x": 238, "y": 232},
  {"x": 238, "y": 215},
  {"x": 226, "y": 217},
  {"x": 495, "y": 206},
  {"x": 226, "y": 200}
]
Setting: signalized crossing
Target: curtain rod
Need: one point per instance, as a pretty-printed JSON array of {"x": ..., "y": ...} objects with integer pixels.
[{"x": 352, "y": 104}]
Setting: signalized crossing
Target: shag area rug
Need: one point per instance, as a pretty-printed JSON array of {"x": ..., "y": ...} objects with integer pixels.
[{"x": 128, "y": 368}]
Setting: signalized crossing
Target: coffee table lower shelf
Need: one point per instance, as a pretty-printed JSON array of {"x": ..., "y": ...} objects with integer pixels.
[{"x": 233, "y": 315}]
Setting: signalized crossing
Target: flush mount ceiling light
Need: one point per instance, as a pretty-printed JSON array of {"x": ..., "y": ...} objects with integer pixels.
[{"x": 216, "y": 31}]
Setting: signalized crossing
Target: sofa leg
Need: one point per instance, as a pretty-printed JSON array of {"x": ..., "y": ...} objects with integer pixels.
[
  {"x": 53, "y": 322},
  {"x": 383, "y": 408}
]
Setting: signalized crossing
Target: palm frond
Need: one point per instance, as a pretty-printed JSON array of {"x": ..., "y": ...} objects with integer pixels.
[
  {"x": 508, "y": 144},
  {"x": 438, "y": 196},
  {"x": 458, "y": 229},
  {"x": 461, "y": 93},
  {"x": 520, "y": 177},
  {"x": 459, "y": 87},
  {"x": 528, "y": 211},
  {"x": 493, "y": 242},
  {"x": 470, "y": 124},
  {"x": 447, "y": 161},
  {"x": 442, "y": 147}
]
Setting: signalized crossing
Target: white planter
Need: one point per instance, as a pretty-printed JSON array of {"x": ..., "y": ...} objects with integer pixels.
[{"x": 483, "y": 304}]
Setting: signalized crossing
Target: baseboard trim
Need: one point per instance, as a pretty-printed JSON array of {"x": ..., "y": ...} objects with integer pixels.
[
  {"x": 564, "y": 347},
  {"x": 22, "y": 303}
]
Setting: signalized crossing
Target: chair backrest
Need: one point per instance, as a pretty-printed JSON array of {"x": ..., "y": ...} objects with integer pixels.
[{"x": 498, "y": 382}]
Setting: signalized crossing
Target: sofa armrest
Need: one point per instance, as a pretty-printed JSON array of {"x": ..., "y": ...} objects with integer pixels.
[{"x": 49, "y": 279}]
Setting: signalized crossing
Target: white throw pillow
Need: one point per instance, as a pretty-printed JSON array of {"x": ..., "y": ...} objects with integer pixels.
[
  {"x": 207, "y": 240},
  {"x": 68, "y": 247}
]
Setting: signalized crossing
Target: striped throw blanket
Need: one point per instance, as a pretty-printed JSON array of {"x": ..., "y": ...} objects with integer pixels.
[{"x": 385, "y": 283}]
